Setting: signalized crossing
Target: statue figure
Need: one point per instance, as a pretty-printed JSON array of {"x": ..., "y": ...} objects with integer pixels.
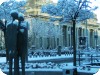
[
  {"x": 11, "y": 39},
  {"x": 16, "y": 42},
  {"x": 22, "y": 37}
]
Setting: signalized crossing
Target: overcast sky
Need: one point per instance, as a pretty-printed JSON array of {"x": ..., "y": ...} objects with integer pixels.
[{"x": 98, "y": 10}]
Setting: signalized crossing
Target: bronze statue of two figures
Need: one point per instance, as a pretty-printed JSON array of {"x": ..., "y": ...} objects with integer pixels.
[{"x": 16, "y": 43}]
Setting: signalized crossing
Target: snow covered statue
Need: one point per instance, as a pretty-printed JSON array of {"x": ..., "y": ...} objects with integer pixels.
[
  {"x": 22, "y": 37},
  {"x": 11, "y": 40},
  {"x": 16, "y": 42}
]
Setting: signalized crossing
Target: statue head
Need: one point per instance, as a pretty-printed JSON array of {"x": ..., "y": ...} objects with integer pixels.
[
  {"x": 14, "y": 14},
  {"x": 20, "y": 17}
]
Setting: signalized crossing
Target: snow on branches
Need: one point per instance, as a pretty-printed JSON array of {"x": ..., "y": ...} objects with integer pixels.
[
  {"x": 45, "y": 29},
  {"x": 69, "y": 10},
  {"x": 8, "y": 6}
]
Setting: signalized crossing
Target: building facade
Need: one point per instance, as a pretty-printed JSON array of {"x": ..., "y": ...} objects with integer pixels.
[{"x": 88, "y": 29}]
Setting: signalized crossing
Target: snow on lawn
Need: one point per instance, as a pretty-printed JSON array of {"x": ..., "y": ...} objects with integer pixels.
[
  {"x": 50, "y": 58},
  {"x": 92, "y": 70},
  {"x": 3, "y": 59},
  {"x": 50, "y": 66}
]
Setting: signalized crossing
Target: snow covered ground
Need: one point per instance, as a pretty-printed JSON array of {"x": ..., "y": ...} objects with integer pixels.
[
  {"x": 46, "y": 63},
  {"x": 49, "y": 66}
]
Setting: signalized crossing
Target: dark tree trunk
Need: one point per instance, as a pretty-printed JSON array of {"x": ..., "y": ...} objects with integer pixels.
[
  {"x": 7, "y": 54},
  {"x": 5, "y": 45},
  {"x": 74, "y": 43},
  {"x": 4, "y": 30}
]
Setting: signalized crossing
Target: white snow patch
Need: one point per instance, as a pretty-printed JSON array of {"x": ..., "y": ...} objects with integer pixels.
[
  {"x": 24, "y": 24},
  {"x": 50, "y": 58},
  {"x": 1, "y": 73},
  {"x": 97, "y": 73},
  {"x": 21, "y": 15},
  {"x": 15, "y": 22}
]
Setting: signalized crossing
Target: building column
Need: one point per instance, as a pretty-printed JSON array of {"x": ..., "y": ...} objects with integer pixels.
[
  {"x": 53, "y": 42},
  {"x": 88, "y": 37},
  {"x": 93, "y": 39},
  {"x": 61, "y": 40},
  {"x": 98, "y": 38},
  {"x": 64, "y": 36},
  {"x": 37, "y": 42},
  {"x": 68, "y": 36},
  {"x": 61, "y": 37},
  {"x": 77, "y": 38},
  {"x": 43, "y": 43},
  {"x": 67, "y": 32},
  {"x": 82, "y": 32}
]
